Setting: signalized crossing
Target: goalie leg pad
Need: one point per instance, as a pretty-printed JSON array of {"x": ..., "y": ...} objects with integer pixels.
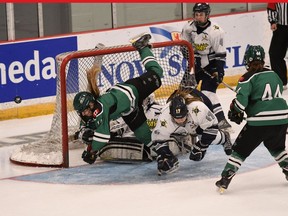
[{"x": 125, "y": 149}]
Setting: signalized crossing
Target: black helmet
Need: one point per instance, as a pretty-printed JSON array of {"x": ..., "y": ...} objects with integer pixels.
[
  {"x": 178, "y": 108},
  {"x": 81, "y": 101},
  {"x": 202, "y": 7}
]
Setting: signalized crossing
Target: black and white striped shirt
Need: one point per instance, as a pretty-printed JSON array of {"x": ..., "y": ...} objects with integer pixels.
[{"x": 278, "y": 13}]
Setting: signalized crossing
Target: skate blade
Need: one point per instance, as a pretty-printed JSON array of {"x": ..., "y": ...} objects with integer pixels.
[
  {"x": 99, "y": 46},
  {"x": 137, "y": 37},
  {"x": 161, "y": 172},
  {"x": 221, "y": 190}
]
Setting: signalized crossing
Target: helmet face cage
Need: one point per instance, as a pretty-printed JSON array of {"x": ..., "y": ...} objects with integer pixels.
[
  {"x": 202, "y": 7},
  {"x": 178, "y": 108},
  {"x": 82, "y": 101},
  {"x": 253, "y": 53}
]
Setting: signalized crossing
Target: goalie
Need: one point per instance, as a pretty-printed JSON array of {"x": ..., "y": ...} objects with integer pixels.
[{"x": 122, "y": 100}]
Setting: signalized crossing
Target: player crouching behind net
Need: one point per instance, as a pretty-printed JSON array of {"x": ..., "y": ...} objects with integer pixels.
[
  {"x": 184, "y": 115},
  {"x": 122, "y": 100}
]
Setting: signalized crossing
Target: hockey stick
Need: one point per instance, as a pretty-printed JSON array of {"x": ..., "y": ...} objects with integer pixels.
[
  {"x": 225, "y": 84},
  {"x": 228, "y": 86}
]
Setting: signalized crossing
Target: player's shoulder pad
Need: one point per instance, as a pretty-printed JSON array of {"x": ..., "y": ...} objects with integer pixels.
[
  {"x": 216, "y": 28},
  {"x": 245, "y": 77},
  {"x": 165, "y": 108},
  {"x": 196, "y": 107},
  {"x": 190, "y": 22}
]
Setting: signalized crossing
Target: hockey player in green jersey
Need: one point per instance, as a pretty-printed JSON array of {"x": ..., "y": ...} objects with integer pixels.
[
  {"x": 259, "y": 95},
  {"x": 122, "y": 100}
]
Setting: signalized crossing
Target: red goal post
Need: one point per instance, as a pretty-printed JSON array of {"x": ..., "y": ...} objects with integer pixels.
[{"x": 119, "y": 63}]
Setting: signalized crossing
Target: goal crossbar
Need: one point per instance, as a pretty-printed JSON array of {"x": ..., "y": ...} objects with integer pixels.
[{"x": 65, "y": 59}]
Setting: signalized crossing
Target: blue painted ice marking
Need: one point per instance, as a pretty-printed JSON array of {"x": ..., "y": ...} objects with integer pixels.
[{"x": 105, "y": 173}]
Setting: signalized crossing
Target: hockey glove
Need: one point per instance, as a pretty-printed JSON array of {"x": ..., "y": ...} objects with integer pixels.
[
  {"x": 76, "y": 135},
  {"x": 218, "y": 77},
  {"x": 86, "y": 135},
  {"x": 198, "y": 151},
  {"x": 89, "y": 157},
  {"x": 166, "y": 161},
  {"x": 235, "y": 116},
  {"x": 213, "y": 76}
]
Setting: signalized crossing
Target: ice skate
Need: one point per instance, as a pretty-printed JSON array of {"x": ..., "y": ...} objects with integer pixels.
[
  {"x": 227, "y": 145},
  {"x": 140, "y": 41},
  {"x": 285, "y": 171},
  {"x": 224, "y": 182}
]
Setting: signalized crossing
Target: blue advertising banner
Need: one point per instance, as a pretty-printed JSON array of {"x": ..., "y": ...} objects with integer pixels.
[{"x": 29, "y": 69}]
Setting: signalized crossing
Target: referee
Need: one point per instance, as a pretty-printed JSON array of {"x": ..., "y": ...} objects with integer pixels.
[{"x": 278, "y": 18}]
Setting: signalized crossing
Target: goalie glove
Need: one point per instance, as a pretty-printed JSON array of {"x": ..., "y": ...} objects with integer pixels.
[
  {"x": 198, "y": 151},
  {"x": 86, "y": 135},
  {"x": 88, "y": 156},
  {"x": 233, "y": 115}
]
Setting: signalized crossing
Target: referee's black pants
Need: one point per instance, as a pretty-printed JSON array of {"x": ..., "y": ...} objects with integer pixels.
[{"x": 277, "y": 52}]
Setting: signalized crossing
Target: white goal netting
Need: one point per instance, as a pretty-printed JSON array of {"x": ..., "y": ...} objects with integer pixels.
[{"x": 119, "y": 63}]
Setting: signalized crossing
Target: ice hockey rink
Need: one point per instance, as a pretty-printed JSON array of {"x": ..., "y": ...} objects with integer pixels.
[{"x": 110, "y": 189}]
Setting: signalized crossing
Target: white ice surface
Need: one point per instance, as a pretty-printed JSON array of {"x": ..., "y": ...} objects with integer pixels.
[{"x": 259, "y": 192}]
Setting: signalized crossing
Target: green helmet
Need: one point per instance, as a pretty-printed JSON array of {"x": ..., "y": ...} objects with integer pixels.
[
  {"x": 253, "y": 53},
  {"x": 81, "y": 101}
]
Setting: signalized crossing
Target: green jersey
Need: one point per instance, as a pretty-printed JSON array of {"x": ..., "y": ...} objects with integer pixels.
[
  {"x": 260, "y": 96},
  {"x": 119, "y": 101},
  {"x": 122, "y": 100}
]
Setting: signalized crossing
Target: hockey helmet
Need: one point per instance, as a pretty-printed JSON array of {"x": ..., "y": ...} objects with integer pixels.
[
  {"x": 202, "y": 7},
  {"x": 253, "y": 53},
  {"x": 178, "y": 107},
  {"x": 82, "y": 100}
]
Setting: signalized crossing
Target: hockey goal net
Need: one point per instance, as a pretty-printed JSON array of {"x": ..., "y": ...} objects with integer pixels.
[{"x": 119, "y": 63}]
